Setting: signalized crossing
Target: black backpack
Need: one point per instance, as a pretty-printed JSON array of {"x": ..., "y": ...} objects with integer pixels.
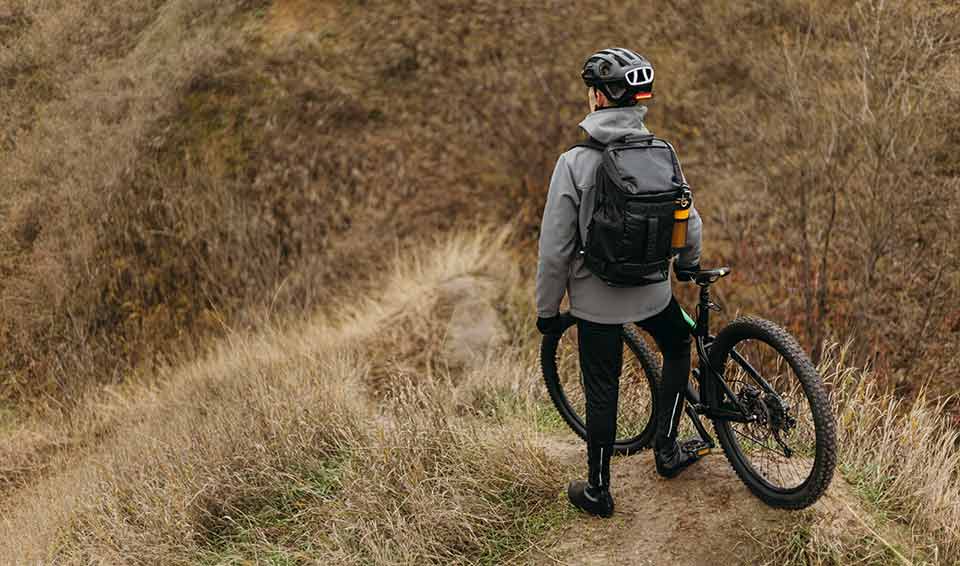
[{"x": 638, "y": 187}]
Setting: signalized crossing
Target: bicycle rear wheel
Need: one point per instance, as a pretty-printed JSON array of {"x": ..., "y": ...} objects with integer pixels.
[
  {"x": 787, "y": 454},
  {"x": 635, "y": 411}
]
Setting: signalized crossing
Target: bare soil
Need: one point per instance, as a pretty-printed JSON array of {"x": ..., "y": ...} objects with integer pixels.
[{"x": 703, "y": 517}]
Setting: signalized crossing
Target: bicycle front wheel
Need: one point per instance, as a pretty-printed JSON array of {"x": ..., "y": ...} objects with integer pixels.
[
  {"x": 559, "y": 361},
  {"x": 786, "y": 454}
]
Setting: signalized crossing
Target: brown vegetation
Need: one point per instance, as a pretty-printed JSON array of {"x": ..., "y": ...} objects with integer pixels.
[
  {"x": 165, "y": 181},
  {"x": 271, "y": 446},
  {"x": 852, "y": 195},
  {"x": 180, "y": 170},
  {"x": 285, "y": 446}
]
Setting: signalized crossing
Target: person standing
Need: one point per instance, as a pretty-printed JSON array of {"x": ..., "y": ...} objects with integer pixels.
[{"x": 605, "y": 294}]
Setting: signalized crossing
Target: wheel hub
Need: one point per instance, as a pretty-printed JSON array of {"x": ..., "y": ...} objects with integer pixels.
[
  {"x": 769, "y": 411},
  {"x": 779, "y": 411},
  {"x": 751, "y": 398}
]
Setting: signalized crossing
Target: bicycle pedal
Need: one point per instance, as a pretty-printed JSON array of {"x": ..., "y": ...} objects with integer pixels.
[{"x": 696, "y": 446}]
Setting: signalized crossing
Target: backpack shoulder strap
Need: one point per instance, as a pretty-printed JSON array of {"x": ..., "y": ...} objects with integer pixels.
[
  {"x": 590, "y": 143},
  {"x": 642, "y": 138}
]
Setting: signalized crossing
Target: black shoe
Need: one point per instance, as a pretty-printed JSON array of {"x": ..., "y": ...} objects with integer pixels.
[
  {"x": 673, "y": 459},
  {"x": 590, "y": 499}
]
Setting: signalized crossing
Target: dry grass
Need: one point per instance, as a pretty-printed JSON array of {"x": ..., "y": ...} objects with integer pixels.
[
  {"x": 901, "y": 460},
  {"x": 288, "y": 446},
  {"x": 90, "y": 88},
  {"x": 270, "y": 448},
  {"x": 176, "y": 170}
]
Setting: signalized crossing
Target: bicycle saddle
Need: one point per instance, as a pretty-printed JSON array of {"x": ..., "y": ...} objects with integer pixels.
[{"x": 708, "y": 276}]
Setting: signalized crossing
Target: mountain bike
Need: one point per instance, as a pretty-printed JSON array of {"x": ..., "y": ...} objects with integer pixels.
[{"x": 767, "y": 403}]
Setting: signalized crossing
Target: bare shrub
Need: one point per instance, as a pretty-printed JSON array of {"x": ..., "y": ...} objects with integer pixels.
[{"x": 847, "y": 134}]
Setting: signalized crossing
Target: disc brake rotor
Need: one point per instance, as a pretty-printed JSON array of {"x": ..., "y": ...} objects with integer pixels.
[{"x": 771, "y": 412}]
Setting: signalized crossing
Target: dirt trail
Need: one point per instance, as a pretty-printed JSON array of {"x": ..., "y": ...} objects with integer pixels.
[{"x": 704, "y": 517}]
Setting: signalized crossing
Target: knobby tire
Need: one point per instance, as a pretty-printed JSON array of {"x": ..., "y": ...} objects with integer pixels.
[{"x": 825, "y": 456}]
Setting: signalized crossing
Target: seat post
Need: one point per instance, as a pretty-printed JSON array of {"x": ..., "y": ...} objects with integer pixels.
[{"x": 703, "y": 311}]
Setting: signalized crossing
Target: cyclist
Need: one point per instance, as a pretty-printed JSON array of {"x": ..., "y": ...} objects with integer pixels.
[{"x": 601, "y": 309}]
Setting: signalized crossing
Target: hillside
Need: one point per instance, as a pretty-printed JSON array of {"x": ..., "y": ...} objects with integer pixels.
[
  {"x": 240, "y": 242},
  {"x": 187, "y": 167},
  {"x": 395, "y": 432}
]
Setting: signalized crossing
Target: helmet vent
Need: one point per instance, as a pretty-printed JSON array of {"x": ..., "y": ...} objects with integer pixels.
[{"x": 626, "y": 54}]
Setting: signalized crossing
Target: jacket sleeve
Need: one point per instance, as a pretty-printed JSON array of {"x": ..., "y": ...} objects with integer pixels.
[
  {"x": 691, "y": 255},
  {"x": 558, "y": 239}
]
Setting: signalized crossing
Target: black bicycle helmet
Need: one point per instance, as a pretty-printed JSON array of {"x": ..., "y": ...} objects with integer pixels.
[{"x": 623, "y": 76}]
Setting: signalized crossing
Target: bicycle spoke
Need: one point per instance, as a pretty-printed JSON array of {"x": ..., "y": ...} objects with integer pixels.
[
  {"x": 764, "y": 382},
  {"x": 757, "y": 442}
]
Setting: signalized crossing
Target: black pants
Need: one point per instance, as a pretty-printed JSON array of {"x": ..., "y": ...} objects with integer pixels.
[{"x": 601, "y": 360}]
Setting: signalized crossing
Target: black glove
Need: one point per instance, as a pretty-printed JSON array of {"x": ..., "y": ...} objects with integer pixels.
[
  {"x": 686, "y": 273},
  {"x": 548, "y": 326}
]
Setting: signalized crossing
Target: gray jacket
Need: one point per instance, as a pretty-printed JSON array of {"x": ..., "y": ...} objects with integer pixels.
[{"x": 569, "y": 206}]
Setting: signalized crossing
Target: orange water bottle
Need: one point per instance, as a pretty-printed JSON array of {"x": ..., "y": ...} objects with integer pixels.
[{"x": 681, "y": 215}]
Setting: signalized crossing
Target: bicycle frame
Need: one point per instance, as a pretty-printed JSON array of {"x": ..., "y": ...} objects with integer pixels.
[{"x": 697, "y": 406}]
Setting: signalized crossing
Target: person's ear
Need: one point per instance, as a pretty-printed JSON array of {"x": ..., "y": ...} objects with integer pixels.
[
  {"x": 602, "y": 101},
  {"x": 596, "y": 99}
]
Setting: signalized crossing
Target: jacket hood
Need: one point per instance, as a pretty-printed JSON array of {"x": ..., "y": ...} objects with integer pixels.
[{"x": 608, "y": 124}]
